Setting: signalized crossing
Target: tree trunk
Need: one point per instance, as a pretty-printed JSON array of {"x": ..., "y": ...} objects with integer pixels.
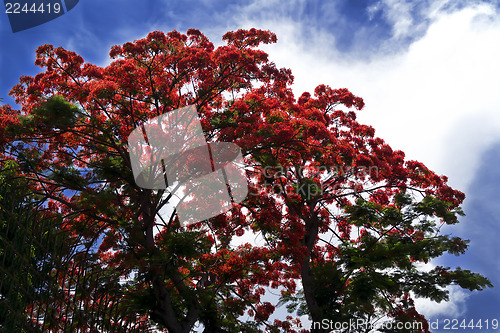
[{"x": 312, "y": 229}]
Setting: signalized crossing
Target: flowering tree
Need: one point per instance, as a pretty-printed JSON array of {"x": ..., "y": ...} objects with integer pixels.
[{"x": 344, "y": 219}]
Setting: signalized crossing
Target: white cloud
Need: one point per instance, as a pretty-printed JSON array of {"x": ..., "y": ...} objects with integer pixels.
[
  {"x": 437, "y": 100},
  {"x": 399, "y": 13},
  {"x": 454, "y": 308},
  {"x": 410, "y": 18}
]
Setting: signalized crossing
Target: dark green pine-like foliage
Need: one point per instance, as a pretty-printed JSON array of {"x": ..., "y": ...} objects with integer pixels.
[{"x": 30, "y": 247}]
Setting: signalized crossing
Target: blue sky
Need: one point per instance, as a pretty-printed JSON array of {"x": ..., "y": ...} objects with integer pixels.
[{"x": 428, "y": 71}]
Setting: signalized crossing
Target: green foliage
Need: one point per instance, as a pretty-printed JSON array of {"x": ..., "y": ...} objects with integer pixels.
[
  {"x": 384, "y": 260},
  {"x": 29, "y": 249},
  {"x": 69, "y": 176},
  {"x": 55, "y": 112},
  {"x": 294, "y": 302},
  {"x": 433, "y": 206}
]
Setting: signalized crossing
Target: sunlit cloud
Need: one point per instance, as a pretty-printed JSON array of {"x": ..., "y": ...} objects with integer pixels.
[
  {"x": 437, "y": 100},
  {"x": 454, "y": 308}
]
